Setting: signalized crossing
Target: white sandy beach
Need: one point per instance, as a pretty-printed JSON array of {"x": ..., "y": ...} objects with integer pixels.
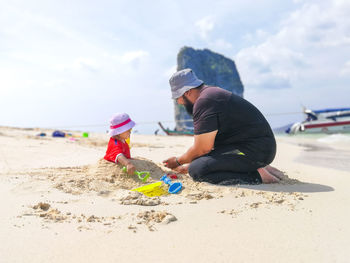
[{"x": 61, "y": 203}]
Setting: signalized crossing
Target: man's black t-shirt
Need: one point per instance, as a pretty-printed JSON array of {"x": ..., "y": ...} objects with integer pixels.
[{"x": 239, "y": 123}]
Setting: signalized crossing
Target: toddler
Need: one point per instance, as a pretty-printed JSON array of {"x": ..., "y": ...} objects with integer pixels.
[{"x": 118, "y": 150}]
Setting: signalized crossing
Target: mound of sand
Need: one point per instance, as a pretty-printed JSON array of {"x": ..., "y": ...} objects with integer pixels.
[{"x": 103, "y": 177}]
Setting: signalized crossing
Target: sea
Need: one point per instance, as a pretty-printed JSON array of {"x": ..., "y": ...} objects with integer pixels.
[{"x": 325, "y": 150}]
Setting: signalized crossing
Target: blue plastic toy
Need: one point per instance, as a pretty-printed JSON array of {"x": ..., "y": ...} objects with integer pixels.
[{"x": 173, "y": 187}]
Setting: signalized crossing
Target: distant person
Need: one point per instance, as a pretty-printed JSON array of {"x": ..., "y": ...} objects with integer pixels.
[
  {"x": 118, "y": 150},
  {"x": 233, "y": 142}
]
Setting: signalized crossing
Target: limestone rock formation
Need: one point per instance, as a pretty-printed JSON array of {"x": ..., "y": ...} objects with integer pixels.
[{"x": 214, "y": 69}]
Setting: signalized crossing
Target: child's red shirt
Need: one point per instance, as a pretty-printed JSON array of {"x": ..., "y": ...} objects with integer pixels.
[{"x": 116, "y": 147}]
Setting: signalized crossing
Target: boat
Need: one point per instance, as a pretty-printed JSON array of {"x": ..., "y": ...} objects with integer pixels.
[
  {"x": 328, "y": 121},
  {"x": 175, "y": 132}
]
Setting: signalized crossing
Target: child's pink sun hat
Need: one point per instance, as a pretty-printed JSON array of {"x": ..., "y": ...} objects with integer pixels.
[{"x": 119, "y": 123}]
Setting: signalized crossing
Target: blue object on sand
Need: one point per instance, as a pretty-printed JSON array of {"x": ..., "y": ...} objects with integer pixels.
[
  {"x": 173, "y": 187},
  {"x": 58, "y": 134}
]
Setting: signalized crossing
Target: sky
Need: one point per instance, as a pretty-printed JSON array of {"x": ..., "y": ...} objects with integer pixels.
[{"x": 73, "y": 64}]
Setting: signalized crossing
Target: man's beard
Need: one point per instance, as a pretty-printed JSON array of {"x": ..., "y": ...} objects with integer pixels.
[{"x": 188, "y": 105}]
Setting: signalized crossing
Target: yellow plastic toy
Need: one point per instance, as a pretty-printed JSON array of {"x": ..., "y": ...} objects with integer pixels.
[{"x": 150, "y": 190}]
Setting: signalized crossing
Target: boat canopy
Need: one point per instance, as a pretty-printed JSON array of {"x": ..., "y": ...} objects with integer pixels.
[{"x": 330, "y": 110}]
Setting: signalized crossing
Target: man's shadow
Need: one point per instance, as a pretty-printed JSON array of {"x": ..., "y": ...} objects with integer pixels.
[{"x": 300, "y": 187}]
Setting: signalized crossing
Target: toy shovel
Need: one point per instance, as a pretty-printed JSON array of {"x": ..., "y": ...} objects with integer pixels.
[
  {"x": 173, "y": 187},
  {"x": 143, "y": 176}
]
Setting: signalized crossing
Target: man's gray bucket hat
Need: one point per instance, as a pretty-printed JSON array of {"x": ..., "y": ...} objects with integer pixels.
[{"x": 182, "y": 81}]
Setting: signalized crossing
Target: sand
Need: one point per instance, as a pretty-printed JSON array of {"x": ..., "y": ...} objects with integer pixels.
[{"x": 62, "y": 203}]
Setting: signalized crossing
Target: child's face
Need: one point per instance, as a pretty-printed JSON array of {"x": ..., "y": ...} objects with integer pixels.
[{"x": 123, "y": 135}]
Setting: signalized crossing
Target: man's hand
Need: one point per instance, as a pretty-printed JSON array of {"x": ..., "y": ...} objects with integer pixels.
[
  {"x": 183, "y": 169},
  {"x": 203, "y": 144},
  {"x": 171, "y": 163}
]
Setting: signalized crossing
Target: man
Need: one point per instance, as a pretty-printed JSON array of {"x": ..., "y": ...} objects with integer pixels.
[{"x": 233, "y": 142}]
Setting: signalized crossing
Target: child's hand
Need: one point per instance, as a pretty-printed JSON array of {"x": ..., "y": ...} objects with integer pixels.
[{"x": 130, "y": 169}]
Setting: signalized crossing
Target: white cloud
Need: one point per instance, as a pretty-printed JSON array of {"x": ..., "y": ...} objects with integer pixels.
[
  {"x": 346, "y": 69},
  {"x": 221, "y": 44},
  {"x": 169, "y": 72},
  {"x": 306, "y": 61},
  {"x": 342, "y": 3},
  {"x": 310, "y": 45},
  {"x": 131, "y": 56},
  {"x": 259, "y": 36},
  {"x": 205, "y": 26},
  {"x": 81, "y": 63}
]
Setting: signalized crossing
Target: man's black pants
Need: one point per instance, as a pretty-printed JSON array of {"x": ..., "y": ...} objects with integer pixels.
[{"x": 226, "y": 166}]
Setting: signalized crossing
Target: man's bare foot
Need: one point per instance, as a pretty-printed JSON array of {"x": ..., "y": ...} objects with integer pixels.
[
  {"x": 275, "y": 172},
  {"x": 266, "y": 177}
]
